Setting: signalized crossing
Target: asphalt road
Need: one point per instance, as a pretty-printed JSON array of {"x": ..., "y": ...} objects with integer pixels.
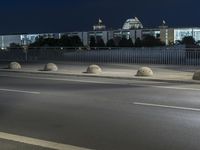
[{"x": 95, "y": 113}]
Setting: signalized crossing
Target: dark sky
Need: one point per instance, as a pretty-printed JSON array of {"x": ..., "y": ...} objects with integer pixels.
[{"x": 36, "y": 16}]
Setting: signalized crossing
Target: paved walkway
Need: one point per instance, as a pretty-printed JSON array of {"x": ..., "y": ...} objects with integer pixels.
[{"x": 161, "y": 72}]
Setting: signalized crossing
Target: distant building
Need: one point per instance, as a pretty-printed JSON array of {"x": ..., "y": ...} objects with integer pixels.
[
  {"x": 28, "y": 39},
  {"x": 6, "y": 40},
  {"x": 174, "y": 35},
  {"x": 24, "y": 39},
  {"x": 133, "y": 23},
  {"x": 132, "y": 29},
  {"x": 99, "y": 26}
]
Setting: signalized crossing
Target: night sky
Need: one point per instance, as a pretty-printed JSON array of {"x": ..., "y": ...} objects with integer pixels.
[{"x": 37, "y": 16}]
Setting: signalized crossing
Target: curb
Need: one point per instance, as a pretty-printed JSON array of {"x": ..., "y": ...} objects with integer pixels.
[{"x": 98, "y": 76}]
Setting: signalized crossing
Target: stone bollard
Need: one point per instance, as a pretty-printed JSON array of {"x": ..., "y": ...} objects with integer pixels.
[
  {"x": 14, "y": 66},
  {"x": 145, "y": 72},
  {"x": 196, "y": 75},
  {"x": 50, "y": 67},
  {"x": 94, "y": 69}
]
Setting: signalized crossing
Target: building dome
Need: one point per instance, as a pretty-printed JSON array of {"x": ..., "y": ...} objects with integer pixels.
[{"x": 133, "y": 23}]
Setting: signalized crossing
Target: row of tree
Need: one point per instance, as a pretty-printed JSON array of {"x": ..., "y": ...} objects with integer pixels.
[
  {"x": 189, "y": 41},
  {"x": 75, "y": 41},
  {"x": 64, "y": 41},
  {"x": 148, "y": 41}
]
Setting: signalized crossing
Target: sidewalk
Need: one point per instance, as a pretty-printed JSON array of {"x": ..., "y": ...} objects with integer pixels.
[{"x": 161, "y": 72}]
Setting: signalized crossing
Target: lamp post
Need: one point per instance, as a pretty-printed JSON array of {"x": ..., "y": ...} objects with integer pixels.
[{"x": 25, "y": 49}]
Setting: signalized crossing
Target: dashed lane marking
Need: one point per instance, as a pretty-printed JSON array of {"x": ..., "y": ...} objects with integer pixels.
[
  {"x": 38, "y": 142},
  {"x": 19, "y": 91},
  {"x": 166, "y": 106}
]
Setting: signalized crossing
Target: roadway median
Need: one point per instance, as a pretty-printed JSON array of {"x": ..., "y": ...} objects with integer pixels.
[{"x": 161, "y": 73}]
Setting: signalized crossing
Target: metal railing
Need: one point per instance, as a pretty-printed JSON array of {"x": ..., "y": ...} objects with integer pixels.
[{"x": 159, "y": 55}]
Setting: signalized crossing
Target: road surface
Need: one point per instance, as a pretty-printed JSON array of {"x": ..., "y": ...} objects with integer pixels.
[{"x": 60, "y": 112}]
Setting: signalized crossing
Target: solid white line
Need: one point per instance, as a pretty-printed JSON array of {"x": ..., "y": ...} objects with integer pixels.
[
  {"x": 37, "y": 142},
  {"x": 19, "y": 91},
  {"x": 176, "y": 88},
  {"x": 56, "y": 79},
  {"x": 71, "y": 80},
  {"x": 99, "y": 82},
  {"x": 166, "y": 106}
]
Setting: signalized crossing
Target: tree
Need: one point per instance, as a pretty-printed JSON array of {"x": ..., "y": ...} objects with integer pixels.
[
  {"x": 188, "y": 41},
  {"x": 117, "y": 41},
  {"x": 41, "y": 42},
  {"x": 65, "y": 41},
  {"x": 75, "y": 41},
  {"x": 100, "y": 43},
  {"x": 110, "y": 43},
  {"x": 138, "y": 42},
  {"x": 126, "y": 42},
  {"x": 92, "y": 41},
  {"x": 151, "y": 41},
  {"x": 38, "y": 42},
  {"x": 15, "y": 46},
  {"x": 130, "y": 43},
  {"x": 51, "y": 42}
]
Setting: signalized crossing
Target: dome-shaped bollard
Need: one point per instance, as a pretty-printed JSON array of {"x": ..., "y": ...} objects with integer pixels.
[
  {"x": 50, "y": 67},
  {"x": 94, "y": 69},
  {"x": 14, "y": 66},
  {"x": 196, "y": 75},
  {"x": 144, "y": 72}
]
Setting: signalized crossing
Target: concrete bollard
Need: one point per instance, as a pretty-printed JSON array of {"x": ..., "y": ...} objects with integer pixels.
[
  {"x": 196, "y": 75},
  {"x": 145, "y": 72},
  {"x": 50, "y": 67},
  {"x": 94, "y": 69},
  {"x": 14, "y": 66}
]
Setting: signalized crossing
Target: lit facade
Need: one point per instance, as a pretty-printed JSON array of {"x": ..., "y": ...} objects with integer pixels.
[
  {"x": 28, "y": 39},
  {"x": 172, "y": 36},
  {"x": 180, "y": 33},
  {"x": 6, "y": 40},
  {"x": 132, "y": 29}
]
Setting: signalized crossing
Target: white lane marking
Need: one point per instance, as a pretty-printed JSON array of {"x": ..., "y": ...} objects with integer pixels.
[
  {"x": 100, "y": 82},
  {"x": 37, "y": 142},
  {"x": 175, "y": 88},
  {"x": 56, "y": 79},
  {"x": 20, "y": 91},
  {"x": 167, "y": 106},
  {"x": 72, "y": 80}
]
